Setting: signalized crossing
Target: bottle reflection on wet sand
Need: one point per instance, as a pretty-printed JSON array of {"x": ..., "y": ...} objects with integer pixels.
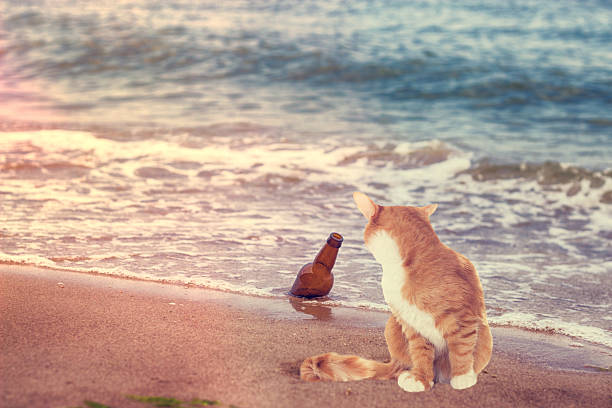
[{"x": 313, "y": 308}]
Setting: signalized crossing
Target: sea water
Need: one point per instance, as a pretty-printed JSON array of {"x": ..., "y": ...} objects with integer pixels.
[{"x": 219, "y": 143}]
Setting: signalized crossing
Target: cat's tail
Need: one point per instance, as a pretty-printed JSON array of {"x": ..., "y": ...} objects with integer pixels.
[{"x": 337, "y": 367}]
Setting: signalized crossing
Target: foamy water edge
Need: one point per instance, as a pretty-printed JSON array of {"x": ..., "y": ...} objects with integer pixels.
[{"x": 513, "y": 319}]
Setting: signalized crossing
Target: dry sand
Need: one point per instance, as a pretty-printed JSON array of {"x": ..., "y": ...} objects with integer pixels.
[{"x": 99, "y": 338}]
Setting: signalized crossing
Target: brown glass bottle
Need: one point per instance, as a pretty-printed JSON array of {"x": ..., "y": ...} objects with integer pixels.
[{"x": 316, "y": 278}]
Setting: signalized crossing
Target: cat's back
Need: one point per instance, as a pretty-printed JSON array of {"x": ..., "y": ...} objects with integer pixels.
[
  {"x": 449, "y": 277},
  {"x": 431, "y": 274}
]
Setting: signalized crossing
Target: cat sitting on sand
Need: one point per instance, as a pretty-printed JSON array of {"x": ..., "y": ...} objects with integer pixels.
[{"x": 438, "y": 330}]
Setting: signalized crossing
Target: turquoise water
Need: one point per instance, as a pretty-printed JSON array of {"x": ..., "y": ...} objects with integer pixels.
[
  {"x": 219, "y": 142},
  {"x": 522, "y": 80}
]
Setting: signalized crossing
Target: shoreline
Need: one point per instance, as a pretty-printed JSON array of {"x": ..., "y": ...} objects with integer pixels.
[
  {"x": 525, "y": 321},
  {"x": 562, "y": 351},
  {"x": 159, "y": 339}
]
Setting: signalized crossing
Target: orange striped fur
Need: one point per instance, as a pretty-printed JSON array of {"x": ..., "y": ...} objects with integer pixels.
[{"x": 438, "y": 330}]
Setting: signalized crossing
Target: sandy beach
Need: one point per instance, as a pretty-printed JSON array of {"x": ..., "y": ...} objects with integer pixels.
[
  {"x": 167, "y": 167},
  {"x": 69, "y": 337}
]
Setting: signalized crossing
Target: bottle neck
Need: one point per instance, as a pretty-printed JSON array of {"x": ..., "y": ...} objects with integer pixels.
[{"x": 327, "y": 256}]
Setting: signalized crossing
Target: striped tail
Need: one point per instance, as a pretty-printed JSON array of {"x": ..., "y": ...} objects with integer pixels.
[{"x": 336, "y": 367}]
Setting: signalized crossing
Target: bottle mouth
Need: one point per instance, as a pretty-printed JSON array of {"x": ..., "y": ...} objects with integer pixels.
[{"x": 335, "y": 240}]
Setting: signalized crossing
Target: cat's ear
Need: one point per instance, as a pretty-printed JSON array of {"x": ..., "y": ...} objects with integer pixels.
[
  {"x": 365, "y": 205},
  {"x": 430, "y": 209}
]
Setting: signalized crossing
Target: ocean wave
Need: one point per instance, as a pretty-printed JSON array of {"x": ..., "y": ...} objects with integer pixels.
[
  {"x": 405, "y": 156},
  {"x": 554, "y": 325},
  {"x": 97, "y": 46},
  {"x": 41, "y": 171},
  {"x": 255, "y": 160},
  {"x": 490, "y": 87},
  {"x": 549, "y": 174}
]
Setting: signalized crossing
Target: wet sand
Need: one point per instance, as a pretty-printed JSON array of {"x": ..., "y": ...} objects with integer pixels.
[{"x": 99, "y": 338}]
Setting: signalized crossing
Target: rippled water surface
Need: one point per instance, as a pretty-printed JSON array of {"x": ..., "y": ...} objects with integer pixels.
[{"x": 219, "y": 143}]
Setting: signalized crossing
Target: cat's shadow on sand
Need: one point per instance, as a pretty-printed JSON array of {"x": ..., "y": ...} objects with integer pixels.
[{"x": 310, "y": 307}]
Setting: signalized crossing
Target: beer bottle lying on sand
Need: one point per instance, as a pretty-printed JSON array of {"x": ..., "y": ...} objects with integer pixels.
[{"x": 316, "y": 278}]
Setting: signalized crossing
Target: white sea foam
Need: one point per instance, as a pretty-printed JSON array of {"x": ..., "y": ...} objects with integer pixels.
[
  {"x": 515, "y": 319},
  {"x": 530, "y": 321},
  {"x": 32, "y": 260}
]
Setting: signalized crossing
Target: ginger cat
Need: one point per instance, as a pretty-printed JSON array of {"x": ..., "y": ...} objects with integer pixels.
[{"x": 438, "y": 330}]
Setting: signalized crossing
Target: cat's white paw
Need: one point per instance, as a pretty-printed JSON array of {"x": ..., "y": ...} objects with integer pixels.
[
  {"x": 463, "y": 381},
  {"x": 407, "y": 383}
]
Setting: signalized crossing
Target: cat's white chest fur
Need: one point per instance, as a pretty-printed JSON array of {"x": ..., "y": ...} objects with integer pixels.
[{"x": 386, "y": 252}]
